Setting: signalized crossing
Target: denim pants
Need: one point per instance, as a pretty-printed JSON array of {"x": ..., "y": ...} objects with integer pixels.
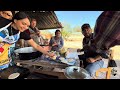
[{"x": 92, "y": 67}]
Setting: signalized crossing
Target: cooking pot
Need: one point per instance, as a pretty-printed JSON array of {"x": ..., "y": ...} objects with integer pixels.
[
  {"x": 74, "y": 72},
  {"x": 14, "y": 72},
  {"x": 27, "y": 53}
]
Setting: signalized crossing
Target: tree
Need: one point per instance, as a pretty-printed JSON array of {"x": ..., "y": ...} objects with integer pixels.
[
  {"x": 65, "y": 34},
  {"x": 66, "y": 31},
  {"x": 77, "y": 29}
]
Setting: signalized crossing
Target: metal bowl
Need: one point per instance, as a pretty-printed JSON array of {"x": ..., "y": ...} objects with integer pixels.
[
  {"x": 25, "y": 50},
  {"x": 27, "y": 53}
]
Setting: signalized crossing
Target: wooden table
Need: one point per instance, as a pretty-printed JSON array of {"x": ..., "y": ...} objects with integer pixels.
[
  {"x": 43, "y": 63},
  {"x": 47, "y": 67}
]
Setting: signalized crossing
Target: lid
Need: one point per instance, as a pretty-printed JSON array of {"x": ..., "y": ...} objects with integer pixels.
[{"x": 74, "y": 72}]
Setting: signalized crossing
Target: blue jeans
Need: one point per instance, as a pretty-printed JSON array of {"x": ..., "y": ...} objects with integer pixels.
[{"x": 92, "y": 67}]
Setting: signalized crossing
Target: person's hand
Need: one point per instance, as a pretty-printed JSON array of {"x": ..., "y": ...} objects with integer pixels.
[
  {"x": 91, "y": 60},
  {"x": 22, "y": 47},
  {"x": 78, "y": 50},
  {"x": 54, "y": 44},
  {"x": 51, "y": 55}
]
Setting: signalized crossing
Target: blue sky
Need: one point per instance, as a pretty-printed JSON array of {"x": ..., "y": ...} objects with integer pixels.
[{"x": 77, "y": 18}]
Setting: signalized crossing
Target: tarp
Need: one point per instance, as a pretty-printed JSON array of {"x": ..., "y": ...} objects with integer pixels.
[{"x": 107, "y": 30}]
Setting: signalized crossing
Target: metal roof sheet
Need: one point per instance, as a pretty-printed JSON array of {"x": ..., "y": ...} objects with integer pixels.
[{"x": 45, "y": 19}]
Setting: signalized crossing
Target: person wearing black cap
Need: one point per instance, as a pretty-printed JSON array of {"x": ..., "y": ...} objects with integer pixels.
[
  {"x": 88, "y": 36},
  {"x": 92, "y": 61}
]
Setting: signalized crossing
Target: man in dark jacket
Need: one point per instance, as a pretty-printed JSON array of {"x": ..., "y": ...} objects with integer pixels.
[{"x": 92, "y": 61}]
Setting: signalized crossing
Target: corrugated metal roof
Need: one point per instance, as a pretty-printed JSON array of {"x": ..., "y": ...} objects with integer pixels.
[{"x": 45, "y": 19}]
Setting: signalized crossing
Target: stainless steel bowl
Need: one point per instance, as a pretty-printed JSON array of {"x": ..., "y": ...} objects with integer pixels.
[{"x": 27, "y": 53}]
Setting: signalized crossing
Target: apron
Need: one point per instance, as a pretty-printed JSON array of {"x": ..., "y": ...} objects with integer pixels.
[{"x": 6, "y": 42}]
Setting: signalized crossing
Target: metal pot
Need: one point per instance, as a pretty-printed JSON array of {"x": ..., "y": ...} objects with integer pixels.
[{"x": 28, "y": 53}]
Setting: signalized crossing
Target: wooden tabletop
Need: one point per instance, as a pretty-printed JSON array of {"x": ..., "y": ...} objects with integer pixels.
[{"x": 43, "y": 63}]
